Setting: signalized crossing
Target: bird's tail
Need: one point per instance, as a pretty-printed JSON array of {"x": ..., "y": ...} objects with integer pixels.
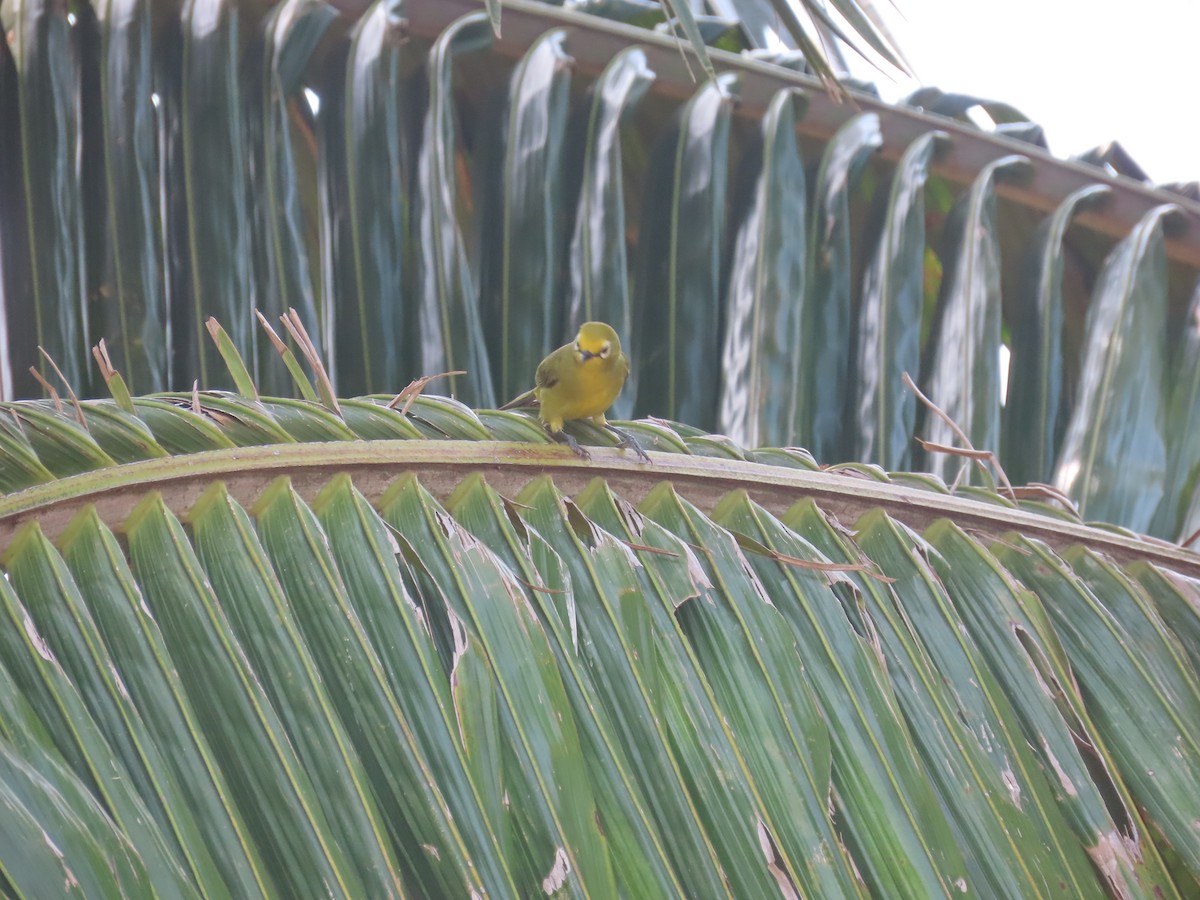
[{"x": 529, "y": 398}]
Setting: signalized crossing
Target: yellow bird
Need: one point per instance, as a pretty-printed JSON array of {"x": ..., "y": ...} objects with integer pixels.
[{"x": 580, "y": 380}]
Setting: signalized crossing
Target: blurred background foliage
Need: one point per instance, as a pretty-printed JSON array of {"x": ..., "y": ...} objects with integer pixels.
[{"x": 432, "y": 199}]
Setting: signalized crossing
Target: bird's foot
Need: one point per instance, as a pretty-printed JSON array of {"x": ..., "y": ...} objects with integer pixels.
[
  {"x": 563, "y": 438},
  {"x": 628, "y": 443}
]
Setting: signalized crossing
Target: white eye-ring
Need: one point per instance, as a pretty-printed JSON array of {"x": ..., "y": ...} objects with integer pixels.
[
  {"x": 604, "y": 350},
  {"x": 578, "y": 349}
]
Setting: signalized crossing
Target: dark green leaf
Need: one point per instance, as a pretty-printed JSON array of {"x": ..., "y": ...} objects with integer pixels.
[
  {"x": 244, "y": 585},
  {"x": 55, "y": 838},
  {"x": 963, "y": 371},
  {"x": 132, "y": 310},
  {"x": 375, "y": 421},
  {"x": 599, "y": 285},
  {"x": 652, "y": 689},
  {"x": 451, "y": 333},
  {"x": 681, "y": 252},
  {"x": 825, "y": 337},
  {"x": 1141, "y": 690},
  {"x": 144, "y": 667},
  {"x": 308, "y": 421},
  {"x": 124, "y": 437},
  {"x": 22, "y": 467},
  {"x": 271, "y": 789},
  {"x": 63, "y": 445},
  {"x": 215, "y": 164},
  {"x": 643, "y": 13},
  {"x": 790, "y": 457},
  {"x": 897, "y": 834},
  {"x": 715, "y": 31},
  {"x": 519, "y": 288},
  {"x": 1113, "y": 458},
  {"x": 753, "y": 665},
  {"x": 25, "y": 653},
  {"x": 46, "y": 79},
  {"x": 1011, "y": 628},
  {"x": 1035, "y": 412},
  {"x": 810, "y": 41},
  {"x": 178, "y": 429},
  {"x": 1176, "y": 517},
  {"x": 487, "y": 604},
  {"x": 1013, "y": 836},
  {"x": 374, "y": 307},
  {"x": 445, "y": 417},
  {"x": 888, "y": 334},
  {"x": 513, "y": 426},
  {"x": 244, "y": 422},
  {"x": 658, "y": 435},
  {"x": 1177, "y": 600},
  {"x": 644, "y": 869},
  {"x": 56, "y": 606},
  {"x": 761, "y": 361},
  {"x": 760, "y": 24},
  {"x": 956, "y": 106},
  {"x": 717, "y": 446},
  {"x": 279, "y": 120},
  {"x": 394, "y": 693}
]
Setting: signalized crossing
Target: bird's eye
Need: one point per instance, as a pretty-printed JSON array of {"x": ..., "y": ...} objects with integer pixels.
[
  {"x": 604, "y": 350},
  {"x": 578, "y": 349}
]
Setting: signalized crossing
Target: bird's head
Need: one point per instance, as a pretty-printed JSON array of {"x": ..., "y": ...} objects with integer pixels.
[{"x": 596, "y": 340}]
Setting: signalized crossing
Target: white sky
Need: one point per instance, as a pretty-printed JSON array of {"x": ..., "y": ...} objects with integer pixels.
[{"x": 1087, "y": 71}]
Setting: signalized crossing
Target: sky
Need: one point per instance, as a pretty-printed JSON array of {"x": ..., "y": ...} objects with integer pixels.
[{"x": 1087, "y": 71}]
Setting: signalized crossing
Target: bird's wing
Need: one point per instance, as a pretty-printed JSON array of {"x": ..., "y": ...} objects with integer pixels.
[
  {"x": 547, "y": 372},
  {"x": 529, "y": 398},
  {"x": 546, "y": 376}
]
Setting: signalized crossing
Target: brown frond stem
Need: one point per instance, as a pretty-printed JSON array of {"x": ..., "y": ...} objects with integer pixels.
[
  {"x": 295, "y": 327},
  {"x": 980, "y": 456},
  {"x": 70, "y": 390},
  {"x": 413, "y": 389},
  {"x": 48, "y": 388}
]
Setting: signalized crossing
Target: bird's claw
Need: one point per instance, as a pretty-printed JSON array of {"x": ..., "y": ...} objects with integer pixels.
[
  {"x": 576, "y": 448},
  {"x": 628, "y": 443}
]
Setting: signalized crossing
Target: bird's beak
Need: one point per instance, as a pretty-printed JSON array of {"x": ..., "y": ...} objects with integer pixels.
[{"x": 585, "y": 355}]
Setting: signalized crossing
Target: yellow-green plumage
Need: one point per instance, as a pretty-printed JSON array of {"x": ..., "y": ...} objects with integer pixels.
[{"x": 580, "y": 380}]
